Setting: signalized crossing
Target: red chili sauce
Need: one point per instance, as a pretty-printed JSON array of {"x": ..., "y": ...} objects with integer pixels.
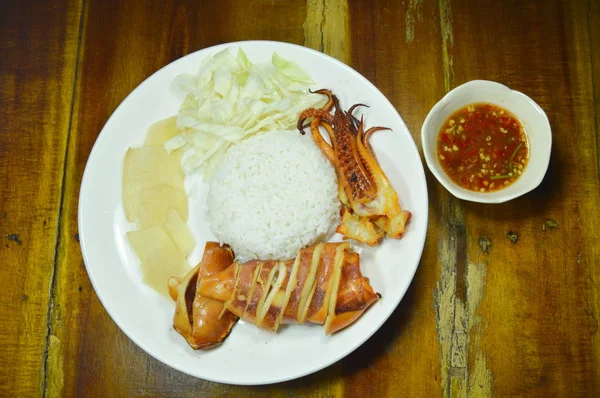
[{"x": 483, "y": 147}]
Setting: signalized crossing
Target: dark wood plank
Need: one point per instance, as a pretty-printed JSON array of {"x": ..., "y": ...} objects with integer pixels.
[
  {"x": 38, "y": 47},
  {"x": 535, "y": 331},
  {"x": 397, "y": 46}
]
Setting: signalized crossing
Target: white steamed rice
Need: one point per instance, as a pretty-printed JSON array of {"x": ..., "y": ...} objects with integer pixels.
[{"x": 271, "y": 195}]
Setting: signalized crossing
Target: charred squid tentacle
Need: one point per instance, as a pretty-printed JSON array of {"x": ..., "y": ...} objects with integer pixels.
[
  {"x": 328, "y": 93},
  {"x": 359, "y": 175},
  {"x": 329, "y": 129},
  {"x": 317, "y": 112},
  {"x": 367, "y": 137},
  {"x": 314, "y": 113},
  {"x": 371, "y": 203},
  {"x": 353, "y": 107},
  {"x": 323, "y": 145},
  {"x": 367, "y": 157}
]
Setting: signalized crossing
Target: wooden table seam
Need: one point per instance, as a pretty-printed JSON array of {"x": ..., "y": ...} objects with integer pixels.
[{"x": 50, "y": 311}]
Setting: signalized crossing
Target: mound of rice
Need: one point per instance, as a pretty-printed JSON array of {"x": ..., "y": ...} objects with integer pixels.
[{"x": 271, "y": 195}]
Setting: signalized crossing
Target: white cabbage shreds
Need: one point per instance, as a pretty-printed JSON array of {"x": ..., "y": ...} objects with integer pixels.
[
  {"x": 231, "y": 98},
  {"x": 271, "y": 195}
]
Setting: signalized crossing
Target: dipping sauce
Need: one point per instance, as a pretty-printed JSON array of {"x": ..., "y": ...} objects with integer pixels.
[{"x": 483, "y": 147}]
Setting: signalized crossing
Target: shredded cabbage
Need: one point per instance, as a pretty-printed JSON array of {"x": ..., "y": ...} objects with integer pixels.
[{"x": 231, "y": 98}]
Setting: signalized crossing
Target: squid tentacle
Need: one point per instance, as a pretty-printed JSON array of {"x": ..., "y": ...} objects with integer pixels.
[
  {"x": 329, "y": 94},
  {"x": 367, "y": 137},
  {"x": 370, "y": 204},
  {"x": 314, "y": 113},
  {"x": 353, "y": 107},
  {"x": 323, "y": 145}
]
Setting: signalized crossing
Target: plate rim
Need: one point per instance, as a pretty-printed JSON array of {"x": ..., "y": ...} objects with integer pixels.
[{"x": 338, "y": 356}]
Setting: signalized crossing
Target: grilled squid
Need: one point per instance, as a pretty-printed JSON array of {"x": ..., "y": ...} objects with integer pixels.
[
  {"x": 201, "y": 320},
  {"x": 323, "y": 285},
  {"x": 371, "y": 208}
]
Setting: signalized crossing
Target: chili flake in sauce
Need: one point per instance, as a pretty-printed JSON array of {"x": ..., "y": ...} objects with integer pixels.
[{"x": 483, "y": 147}]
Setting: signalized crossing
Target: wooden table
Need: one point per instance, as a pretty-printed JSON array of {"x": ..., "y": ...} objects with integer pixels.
[{"x": 519, "y": 318}]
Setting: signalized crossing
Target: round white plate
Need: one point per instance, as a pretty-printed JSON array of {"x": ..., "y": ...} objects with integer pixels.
[{"x": 249, "y": 355}]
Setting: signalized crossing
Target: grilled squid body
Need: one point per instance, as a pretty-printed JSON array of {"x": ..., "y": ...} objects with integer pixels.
[
  {"x": 323, "y": 285},
  {"x": 201, "y": 320},
  {"x": 371, "y": 208}
]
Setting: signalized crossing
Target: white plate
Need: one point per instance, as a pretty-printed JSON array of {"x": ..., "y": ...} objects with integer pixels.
[{"x": 249, "y": 355}]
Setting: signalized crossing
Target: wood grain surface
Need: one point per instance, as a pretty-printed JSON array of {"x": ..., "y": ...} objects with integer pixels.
[
  {"x": 484, "y": 316},
  {"x": 38, "y": 52}
]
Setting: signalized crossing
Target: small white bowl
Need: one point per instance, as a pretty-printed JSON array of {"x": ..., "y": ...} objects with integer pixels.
[{"x": 533, "y": 118}]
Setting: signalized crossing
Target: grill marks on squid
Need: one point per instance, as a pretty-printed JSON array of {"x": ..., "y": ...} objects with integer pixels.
[
  {"x": 308, "y": 286},
  {"x": 321, "y": 291},
  {"x": 371, "y": 208},
  {"x": 322, "y": 285}
]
